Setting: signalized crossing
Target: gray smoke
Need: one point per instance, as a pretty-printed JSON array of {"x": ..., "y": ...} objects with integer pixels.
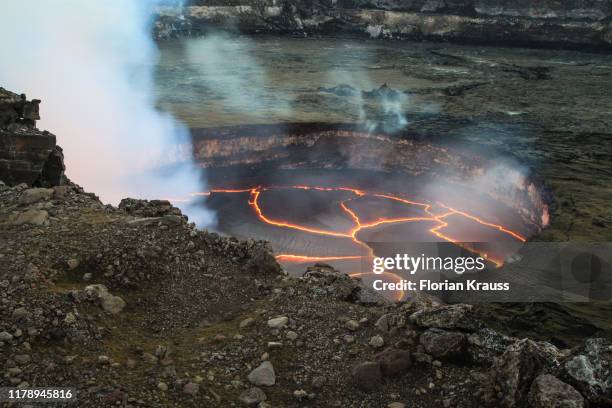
[{"x": 92, "y": 64}]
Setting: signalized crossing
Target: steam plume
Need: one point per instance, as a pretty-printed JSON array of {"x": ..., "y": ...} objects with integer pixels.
[{"x": 92, "y": 64}]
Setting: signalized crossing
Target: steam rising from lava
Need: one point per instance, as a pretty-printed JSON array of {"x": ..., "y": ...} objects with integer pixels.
[{"x": 91, "y": 62}]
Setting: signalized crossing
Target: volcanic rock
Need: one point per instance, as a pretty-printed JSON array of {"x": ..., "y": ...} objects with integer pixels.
[
  {"x": 377, "y": 341},
  {"x": 278, "y": 322},
  {"x": 552, "y": 23},
  {"x": 110, "y": 303},
  {"x": 393, "y": 362},
  {"x": 252, "y": 396},
  {"x": 191, "y": 388},
  {"x": 27, "y": 155},
  {"x": 33, "y": 195},
  {"x": 457, "y": 317},
  {"x": 263, "y": 374},
  {"x": 367, "y": 375},
  {"x": 590, "y": 371},
  {"x": 442, "y": 344},
  {"x": 515, "y": 370},
  {"x": 549, "y": 392},
  {"x": 35, "y": 217},
  {"x": 485, "y": 345}
]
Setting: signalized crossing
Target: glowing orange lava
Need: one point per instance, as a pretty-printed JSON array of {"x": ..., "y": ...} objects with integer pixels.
[
  {"x": 440, "y": 219},
  {"x": 304, "y": 258}
]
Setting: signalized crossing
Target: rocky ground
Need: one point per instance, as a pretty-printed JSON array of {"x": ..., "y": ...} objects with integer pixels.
[{"x": 133, "y": 306}]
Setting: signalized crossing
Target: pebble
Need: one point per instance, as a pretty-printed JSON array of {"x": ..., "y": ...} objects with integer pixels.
[
  {"x": 5, "y": 336},
  {"x": 72, "y": 263},
  {"x": 352, "y": 325},
  {"x": 162, "y": 386},
  {"x": 377, "y": 341},
  {"x": 396, "y": 405},
  {"x": 278, "y": 322},
  {"x": 263, "y": 375},
  {"x": 247, "y": 322},
  {"x": 252, "y": 396},
  {"x": 22, "y": 358},
  {"x": 291, "y": 335},
  {"x": 191, "y": 388}
]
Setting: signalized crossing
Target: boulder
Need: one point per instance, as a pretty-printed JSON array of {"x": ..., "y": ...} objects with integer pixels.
[
  {"x": 455, "y": 317},
  {"x": 110, "y": 303},
  {"x": 549, "y": 392},
  {"x": 515, "y": 370},
  {"x": 367, "y": 376},
  {"x": 485, "y": 345},
  {"x": 590, "y": 371},
  {"x": 33, "y": 195},
  {"x": 393, "y": 362},
  {"x": 442, "y": 343},
  {"x": 35, "y": 217}
]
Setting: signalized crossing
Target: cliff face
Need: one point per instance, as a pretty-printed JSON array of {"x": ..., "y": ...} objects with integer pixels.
[
  {"x": 550, "y": 23},
  {"x": 27, "y": 155}
]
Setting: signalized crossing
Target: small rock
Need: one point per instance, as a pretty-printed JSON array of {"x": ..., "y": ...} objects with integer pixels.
[
  {"x": 246, "y": 322},
  {"x": 352, "y": 325},
  {"x": 396, "y": 405},
  {"x": 191, "y": 388},
  {"x": 6, "y": 336},
  {"x": 162, "y": 386},
  {"x": 110, "y": 303},
  {"x": 442, "y": 344},
  {"x": 21, "y": 312},
  {"x": 72, "y": 263},
  {"x": 103, "y": 360},
  {"x": 263, "y": 375},
  {"x": 252, "y": 396},
  {"x": 458, "y": 316},
  {"x": 70, "y": 318},
  {"x": 383, "y": 324},
  {"x": 300, "y": 394},
  {"x": 22, "y": 358},
  {"x": 291, "y": 335},
  {"x": 278, "y": 322},
  {"x": 377, "y": 341}
]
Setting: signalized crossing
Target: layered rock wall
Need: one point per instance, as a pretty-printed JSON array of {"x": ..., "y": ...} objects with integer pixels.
[
  {"x": 567, "y": 24},
  {"x": 27, "y": 155}
]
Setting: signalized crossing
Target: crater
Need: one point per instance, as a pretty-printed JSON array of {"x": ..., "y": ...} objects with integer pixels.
[{"x": 333, "y": 192}]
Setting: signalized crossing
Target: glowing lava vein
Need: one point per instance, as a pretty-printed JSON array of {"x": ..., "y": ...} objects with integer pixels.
[
  {"x": 359, "y": 225},
  {"x": 256, "y": 192}
]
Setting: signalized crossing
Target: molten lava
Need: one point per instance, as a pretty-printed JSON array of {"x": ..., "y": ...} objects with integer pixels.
[{"x": 441, "y": 219}]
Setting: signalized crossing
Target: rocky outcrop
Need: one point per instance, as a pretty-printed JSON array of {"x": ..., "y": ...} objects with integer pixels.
[
  {"x": 27, "y": 155},
  {"x": 575, "y": 23},
  {"x": 590, "y": 371}
]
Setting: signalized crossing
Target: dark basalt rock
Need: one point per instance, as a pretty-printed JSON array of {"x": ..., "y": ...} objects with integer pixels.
[{"x": 27, "y": 155}]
